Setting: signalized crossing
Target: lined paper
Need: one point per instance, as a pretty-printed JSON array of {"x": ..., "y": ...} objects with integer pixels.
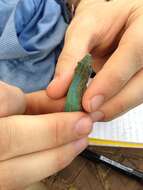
[{"x": 126, "y": 128}]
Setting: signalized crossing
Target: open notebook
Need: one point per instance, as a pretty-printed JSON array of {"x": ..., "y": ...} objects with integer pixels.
[{"x": 125, "y": 131}]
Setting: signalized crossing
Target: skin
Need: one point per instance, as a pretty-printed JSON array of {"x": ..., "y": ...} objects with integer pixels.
[
  {"x": 112, "y": 32},
  {"x": 28, "y": 146},
  {"x": 32, "y": 146}
]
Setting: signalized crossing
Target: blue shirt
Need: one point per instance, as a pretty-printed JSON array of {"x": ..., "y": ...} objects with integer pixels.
[{"x": 31, "y": 36}]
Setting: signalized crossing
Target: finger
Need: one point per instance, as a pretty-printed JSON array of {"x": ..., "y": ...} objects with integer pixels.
[
  {"x": 114, "y": 75},
  {"x": 121, "y": 66},
  {"x": 98, "y": 63},
  {"x": 12, "y": 100},
  {"x": 71, "y": 54},
  {"x": 26, "y": 134},
  {"x": 129, "y": 97},
  {"x": 23, "y": 171},
  {"x": 98, "y": 32},
  {"x": 40, "y": 103}
]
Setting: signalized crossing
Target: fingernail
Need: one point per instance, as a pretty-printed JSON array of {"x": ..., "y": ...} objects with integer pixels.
[
  {"x": 80, "y": 145},
  {"x": 97, "y": 116},
  {"x": 83, "y": 126},
  {"x": 96, "y": 102}
]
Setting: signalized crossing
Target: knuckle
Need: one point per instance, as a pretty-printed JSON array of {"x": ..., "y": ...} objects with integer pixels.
[
  {"x": 115, "y": 109},
  {"x": 136, "y": 48},
  {"x": 74, "y": 31},
  {"x": 136, "y": 5},
  {"x": 121, "y": 106},
  {"x": 4, "y": 98},
  {"x": 7, "y": 133},
  {"x": 61, "y": 160},
  {"x": 8, "y": 96},
  {"x": 92, "y": 27},
  {"x": 67, "y": 56},
  {"x": 138, "y": 56},
  {"x": 4, "y": 139},
  {"x": 56, "y": 132},
  {"x": 118, "y": 79},
  {"x": 75, "y": 28},
  {"x": 59, "y": 132}
]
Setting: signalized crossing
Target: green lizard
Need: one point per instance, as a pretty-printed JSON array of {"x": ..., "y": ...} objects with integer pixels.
[{"x": 78, "y": 85}]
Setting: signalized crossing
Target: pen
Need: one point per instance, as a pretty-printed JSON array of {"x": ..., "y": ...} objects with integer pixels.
[{"x": 92, "y": 156}]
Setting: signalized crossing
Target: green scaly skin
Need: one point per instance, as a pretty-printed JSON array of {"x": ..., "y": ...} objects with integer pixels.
[{"x": 78, "y": 85}]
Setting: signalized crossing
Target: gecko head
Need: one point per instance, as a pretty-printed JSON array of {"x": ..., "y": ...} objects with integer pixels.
[{"x": 85, "y": 65}]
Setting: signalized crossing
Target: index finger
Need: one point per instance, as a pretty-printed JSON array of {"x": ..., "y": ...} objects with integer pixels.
[
  {"x": 90, "y": 28},
  {"x": 40, "y": 103}
]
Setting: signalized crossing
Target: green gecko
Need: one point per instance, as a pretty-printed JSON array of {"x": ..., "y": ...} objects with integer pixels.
[{"x": 78, "y": 85}]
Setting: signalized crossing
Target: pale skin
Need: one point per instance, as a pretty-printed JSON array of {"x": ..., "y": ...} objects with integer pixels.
[
  {"x": 35, "y": 147},
  {"x": 32, "y": 147},
  {"x": 113, "y": 32}
]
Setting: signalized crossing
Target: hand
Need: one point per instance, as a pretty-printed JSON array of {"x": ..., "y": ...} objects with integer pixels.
[
  {"x": 112, "y": 32},
  {"x": 12, "y": 100},
  {"x": 35, "y": 147},
  {"x": 40, "y": 103}
]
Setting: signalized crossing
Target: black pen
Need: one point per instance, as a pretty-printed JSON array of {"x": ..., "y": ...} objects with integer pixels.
[{"x": 94, "y": 157}]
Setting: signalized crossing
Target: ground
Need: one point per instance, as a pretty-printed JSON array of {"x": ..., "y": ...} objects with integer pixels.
[{"x": 83, "y": 175}]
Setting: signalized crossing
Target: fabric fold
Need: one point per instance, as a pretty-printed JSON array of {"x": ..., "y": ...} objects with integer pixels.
[{"x": 31, "y": 38}]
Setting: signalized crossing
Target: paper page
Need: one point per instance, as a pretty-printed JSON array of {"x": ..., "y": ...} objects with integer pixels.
[{"x": 126, "y": 128}]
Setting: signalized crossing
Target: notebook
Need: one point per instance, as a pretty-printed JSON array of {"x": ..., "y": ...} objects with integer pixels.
[{"x": 124, "y": 131}]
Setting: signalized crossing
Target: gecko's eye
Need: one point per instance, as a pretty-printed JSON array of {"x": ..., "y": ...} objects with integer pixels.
[{"x": 92, "y": 74}]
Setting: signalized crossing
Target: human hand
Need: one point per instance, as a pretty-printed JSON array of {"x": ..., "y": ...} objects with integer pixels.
[
  {"x": 39, "y": 103},
  {"x": 112, "y": 32},
  {"x": 35, "y": 147},
  {"x": 12, "y": 99}
]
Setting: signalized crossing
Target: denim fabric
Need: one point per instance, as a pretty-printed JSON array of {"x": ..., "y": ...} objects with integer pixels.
[{"x": 31, "y": 36}]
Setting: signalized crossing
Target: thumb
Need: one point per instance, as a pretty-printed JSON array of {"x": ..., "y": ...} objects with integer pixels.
[{"x": 90, "y": 29}]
